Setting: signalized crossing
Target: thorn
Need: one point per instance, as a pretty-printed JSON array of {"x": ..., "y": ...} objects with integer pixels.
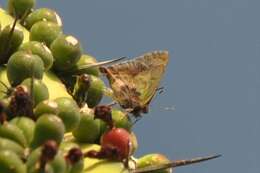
[{"x": 173, "y": 164}]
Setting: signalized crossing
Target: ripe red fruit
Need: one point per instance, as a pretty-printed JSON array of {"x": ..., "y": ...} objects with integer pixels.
[
  {"x": 117, "y": 141},
  {"x": 115, "y": 144}
]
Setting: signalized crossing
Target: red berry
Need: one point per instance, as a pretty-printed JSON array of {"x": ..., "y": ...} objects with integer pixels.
[{"x": 117, "y": 142}]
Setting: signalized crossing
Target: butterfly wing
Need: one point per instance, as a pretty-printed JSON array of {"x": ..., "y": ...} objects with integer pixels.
[{"x": 134, "y": 82}]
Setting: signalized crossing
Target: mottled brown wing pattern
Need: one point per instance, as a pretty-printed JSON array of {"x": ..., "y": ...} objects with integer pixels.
[{"x": 134, "y": 82}]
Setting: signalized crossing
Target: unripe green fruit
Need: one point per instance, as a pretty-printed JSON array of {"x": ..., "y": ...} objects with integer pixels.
[
  {"x": 27, "y": 126},
  {"x": 42, "y": 14},
  {"x": 95, "y": 91},
  {"x": 10, "y": 44},
  {"x": 40, "y": 90},
  {"x": 85, "y": 60},
  {"x": 7, "y": 144},
  {"x": 121, "y": 119},
  {"x": 68, "y": 112},
  {"x": 88, "y": 130},
  {"x": 11, "y": 163},
  {"x": 66, "y": 51},
  {"x": 41, "y": 50},
  {"x": 48, "y": 127},
  {"x": 46, "y": 107},
  {"x": 12, "y": 132},
  {"x": 45, "y": 32},
  {"x": 20, "y": 8},
  {"x": 32, "y": 163},
  {"x": 22, "y": 65},
  {"x": 153, "y": 160},
  {"x": 77, "y": 167},
  {"x": 59, "y": 163}
]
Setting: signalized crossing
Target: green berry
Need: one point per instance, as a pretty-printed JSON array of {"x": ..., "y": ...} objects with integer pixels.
[
  {"x": 41, "y": 50},
  {"x": 22, "y": 65},
  {"x": 45, "y": 32},
  {"x": 59, "y": 163},
  {"x": 121, "y": 119},
  {"x": 33, "y": 160},
  {"x": 40, "y": 90},
  {"x": 88, "y": 130},
  {"x": 85, "y": 60},
  {"x": 42, "y": 14},
  {"x": 46, "y": 107},
  {"x": 19, "y": 8},
  {"x": 10, "y": 43},
  {"x": 27, "y": 126},
  {"x": 95, "y": 91},
  {"x": 66, "y": 51},
  {"x": 12, "y": 132},
  {"x": 48, "y": 127},
  {"x": 11, "y": 163},
  {"x": 68, "y": 112},
  {"x": 8, "y": 144},
  {"x": 78, "y": 167}
]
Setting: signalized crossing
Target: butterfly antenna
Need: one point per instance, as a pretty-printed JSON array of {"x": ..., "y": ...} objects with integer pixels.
[
  {"x": 173, "y": 164},
  {"x": 112, "y": 104}
]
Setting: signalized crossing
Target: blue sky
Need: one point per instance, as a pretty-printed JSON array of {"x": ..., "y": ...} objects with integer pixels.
[{"x": 212, "y": 78}]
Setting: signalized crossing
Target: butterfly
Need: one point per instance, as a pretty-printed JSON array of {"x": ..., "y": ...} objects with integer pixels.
[{"x": 135, "y": 82}]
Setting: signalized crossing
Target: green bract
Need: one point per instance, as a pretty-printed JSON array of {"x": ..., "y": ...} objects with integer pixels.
[{"x": 153, "y": 159}]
